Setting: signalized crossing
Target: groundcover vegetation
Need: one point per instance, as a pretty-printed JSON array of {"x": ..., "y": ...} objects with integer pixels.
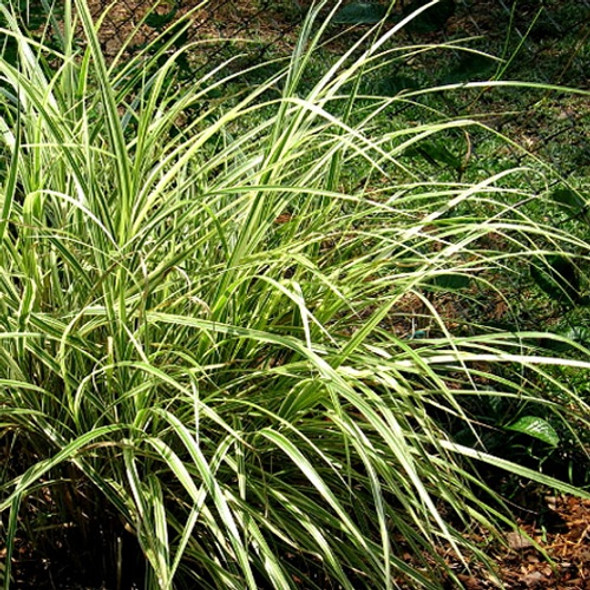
[{"x": 200, "y": 372}]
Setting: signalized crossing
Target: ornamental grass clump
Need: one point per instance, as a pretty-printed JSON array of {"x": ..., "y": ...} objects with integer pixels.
[{"x": 200, "y": 357}]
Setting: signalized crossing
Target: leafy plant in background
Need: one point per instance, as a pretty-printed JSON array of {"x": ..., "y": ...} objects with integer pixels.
[
  {"x": 360, "y": 13},
  {"x": 198, "y": 359},
  {"x": 562, "y": 278},
  {"x": 559, "y": 277},
  {"x": 424, "y": 16}
]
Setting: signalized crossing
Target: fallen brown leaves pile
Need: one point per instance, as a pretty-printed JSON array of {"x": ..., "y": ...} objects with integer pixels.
[{"x": 563, "y": 562}]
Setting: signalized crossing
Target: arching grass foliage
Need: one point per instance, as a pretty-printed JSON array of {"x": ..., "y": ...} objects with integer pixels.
[{"x": 200, "y": 302}]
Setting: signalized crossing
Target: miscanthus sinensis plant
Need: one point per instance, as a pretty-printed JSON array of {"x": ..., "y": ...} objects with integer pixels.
[{"x": 197, "y": 305}]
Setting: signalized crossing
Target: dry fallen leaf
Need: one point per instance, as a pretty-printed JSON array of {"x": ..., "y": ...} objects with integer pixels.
[
  {"x": 534, "y": 579},
  {"x": 517, "y": 540}
]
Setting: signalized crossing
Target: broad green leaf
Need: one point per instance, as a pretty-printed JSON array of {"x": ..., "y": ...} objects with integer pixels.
[
  {"x": 431, "y": 20},
  {"x": 537, "y": 428},
  {"x": 569, "y": 199},
  {"x": 360, "y": 13},
  {"x": 559, "y": 278},
  {"x": 579, "y": 334},
  {"x": 451, "y": 281},
  {"x": 472, "y": 66},
  {"x": 436, "y": 153},
  {"x": 575, "y": 334}
]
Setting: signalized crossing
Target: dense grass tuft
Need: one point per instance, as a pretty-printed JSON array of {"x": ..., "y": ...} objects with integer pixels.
[{"x": 204, "y": 336}]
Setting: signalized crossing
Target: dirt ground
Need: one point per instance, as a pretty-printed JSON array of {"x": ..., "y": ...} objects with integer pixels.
[{"x": 561, "y": 529}]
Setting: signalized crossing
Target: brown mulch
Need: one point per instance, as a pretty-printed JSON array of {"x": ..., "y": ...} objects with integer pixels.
[
  {"x": 568, "y": 547},
  {"x": 563, "y": 563},
  {"x": 552, "y": 552}
]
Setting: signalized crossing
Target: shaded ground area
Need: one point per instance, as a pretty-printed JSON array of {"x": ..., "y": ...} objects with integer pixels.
[
  {"x": 561, "y": 529},
  {"x": 566, "y": 541}
]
